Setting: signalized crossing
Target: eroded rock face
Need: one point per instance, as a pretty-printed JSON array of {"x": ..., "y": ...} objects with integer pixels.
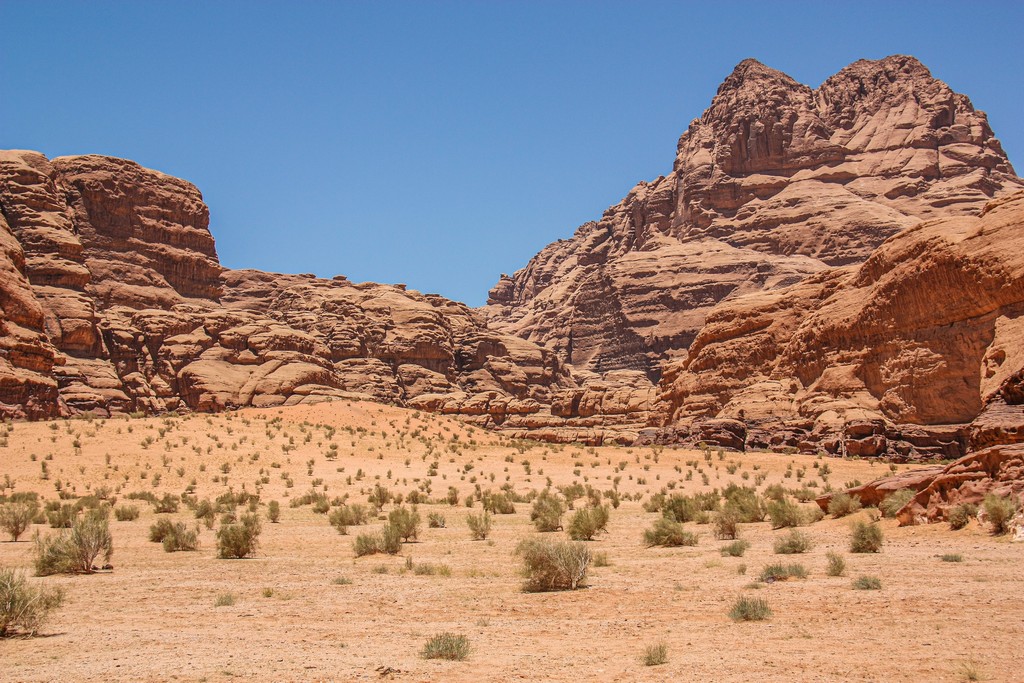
[
  {"x": 113, "y": 300},
  {"x": 775, "y": 184},
  {"x": 901, "y": 352}
]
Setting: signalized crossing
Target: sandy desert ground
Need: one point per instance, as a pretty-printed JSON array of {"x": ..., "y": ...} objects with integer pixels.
[{"x": 306, "y": 609}]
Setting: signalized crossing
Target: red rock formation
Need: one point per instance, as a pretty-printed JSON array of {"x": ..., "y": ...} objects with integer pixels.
[
  {"x": 115, "y": 266},
  {"x": 774, "y": 183}
]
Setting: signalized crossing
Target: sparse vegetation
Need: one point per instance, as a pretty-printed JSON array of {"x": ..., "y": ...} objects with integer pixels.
[
  {"x": 783, "y": 572},
  {"x": 24, "y": 607},
  {"x": 867, "y": 583},
  {"x": 836, "y": 564},
  {"x": 450, "y": 646},
  {"x": 865, "y": 538},
  {"x": 655, "y": 655},
  {"x": 550, "y": 565},
  {"x": 237, "y": 541},
  {"x": 750, "y": 609},
  {"x": 895, "y": 502},
  {"x": 735, "y": 549},
  {"x": 15, "y": 518},
  {"x": 75, "y": 550},
  {"x": 668, "y": 533},
  {"x": 588, "y": 522},
  {"x": 793, "y": 543},
  {"x": 842, "y": 504},
  {"x": 960, "y": 515},
  {"x": 999, "y": 510},
  {"x": 546, "y": 513},
  {"x": 479, "y": 525}
]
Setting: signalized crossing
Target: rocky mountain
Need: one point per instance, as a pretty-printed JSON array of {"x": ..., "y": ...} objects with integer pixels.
[
  {"x": 837, "y": 269},
  {"x": 112, "y": 299},
  {"x": 773, "y": 184}
]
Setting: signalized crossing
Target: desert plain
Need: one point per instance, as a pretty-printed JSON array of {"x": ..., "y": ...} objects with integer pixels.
[{"x": 305, "y": 608}]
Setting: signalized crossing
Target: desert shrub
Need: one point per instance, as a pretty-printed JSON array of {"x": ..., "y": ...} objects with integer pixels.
[
  {"x": 348, "y": 515},
  {"x": 960, "y": 516},
  {"x": 793, "y": 543},
  {"x": 379, "y": 497},
  {"x": 405, "y": 522},
  {"x": 894, "y": 502},
  {"x": 735, "y": 549},
  {"x": 235, "y": 541},
  {"x": 62, "y": 516},
  {"x": 435, "y": 520},
  {"x": 547, "y": 512},
  {"x": 167, "y": 504},
  {"x": 366, "y": 544},
  {"x": 550, "y": 565},
  {"x": 727, "y": 523},
  {"x": 126, "y": 513},
  {"x": 159, "y": 530},
  {"x": 274, "y": 511},
  {"x": 867, "y": 583},
  {"x": 667, "y": 533},
  {"x": 600, "y": 560},
  {"x": 865, "y": 538},
  {"x": 449, "y": 646},
  {"x": 680, "y": 508},
  {"x": 836, "y": 564},
  {"x": 952, "y": 557},
  {"x": 479, "y": 525},
  {"x": 588, "y": 522},
  {"x": 782, "y": 572},
  {"x": 499, "y": 504},
  {"x": 999, "y": 510},
  {"x": 750, "y": 609},
  {"x": 785, "y": 513},
  {"x": 224, "y": 600},
  {"x": 842, "y": 504},
  {"x": 179, "y": 538},
  {"x": 15, "y": 518},
  {"x": 391, "y": 539},
  {"x": 75, "y": 550},
  {"x": 745, "y": 502},
  {"x": 655, "y": 655},
  {"x": 24, "y": 607}
]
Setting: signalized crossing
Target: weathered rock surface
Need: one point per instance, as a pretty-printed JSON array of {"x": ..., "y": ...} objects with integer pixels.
[
  {"x": 775, "y": 184},
  {"x": 998, "y": 470},
  {"x": 112, "y": 299}
]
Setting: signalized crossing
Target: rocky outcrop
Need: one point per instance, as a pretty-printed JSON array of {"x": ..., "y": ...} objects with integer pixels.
[
  {"x": 896, "y": 356},
  {"x": 113, "y": 300},
  {"x": 996, "y": 470},
  {"x": 775, "y": 184}
]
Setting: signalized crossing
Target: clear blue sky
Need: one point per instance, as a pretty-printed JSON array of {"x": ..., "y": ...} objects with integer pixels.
[{"x": 438, "y": 143}]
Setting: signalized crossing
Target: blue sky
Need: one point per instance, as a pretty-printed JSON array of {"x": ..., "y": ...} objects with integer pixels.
[{"x": 438, "y": 144}]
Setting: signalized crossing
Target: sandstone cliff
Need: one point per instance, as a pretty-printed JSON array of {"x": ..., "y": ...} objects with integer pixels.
[
  {"x": 774, "y": 184},
  {"x": 112, "y": 299}
]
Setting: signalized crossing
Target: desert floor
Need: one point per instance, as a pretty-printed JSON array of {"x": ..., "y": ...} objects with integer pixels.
[{"x": 307, "y": 610}]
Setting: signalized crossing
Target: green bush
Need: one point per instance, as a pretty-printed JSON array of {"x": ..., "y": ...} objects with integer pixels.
[
  {"x": 550, "y": 565},
  {"x": 449, "y": 646},
  {"x": 366, "y": 544},
  {"x": 999, "y": 510},
  {"x": 24, "y": 607},
  {"x": 15, "y": 518},
  {"x": 62, "y": 516},
  {"x": 865, "y": 538},
  {"x": 750, "y": 609},
  {"x": 735, "y": 549},
  {"x": 842, "y": 504},
  {"x": 347, "y": 515},
  {"x": 588, "y": 522},
  {"x": 680, "y": 508},
  {"x": 727, "y": 523},
  {"x": 75, "y": 550},
  {"x": 405, "y": 522},
  {"x": 793, "y": 543},
  {"x": 893, "y": 503},
  {"x": 159, "y": 529},
  {"x": 669, "y": 534},
  {"x": 180, "y": 538},
  {"x": 168, "y": 504},
  {"x": 274, "y": 511},
  {"x": 479, "y": 525},
  {"x": 952, "y": 557},
  {"x": 744, "y": 500},
  {"x": 960, "y": 516},
  {"x": 783, "y": 572},
  {"x": 836, "y": 564},
  {"x": 785, "y": 513},
  {"x": 547, "y": 512},
  {"x": 867, "y": 583},
  {"x": 435, "y": 520},
  {"x": 236, "y": 541},
  {"x": 126, "y": 513},
  {"x": 391, "y": 539},
  {"x": 498, "y": 504}
]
